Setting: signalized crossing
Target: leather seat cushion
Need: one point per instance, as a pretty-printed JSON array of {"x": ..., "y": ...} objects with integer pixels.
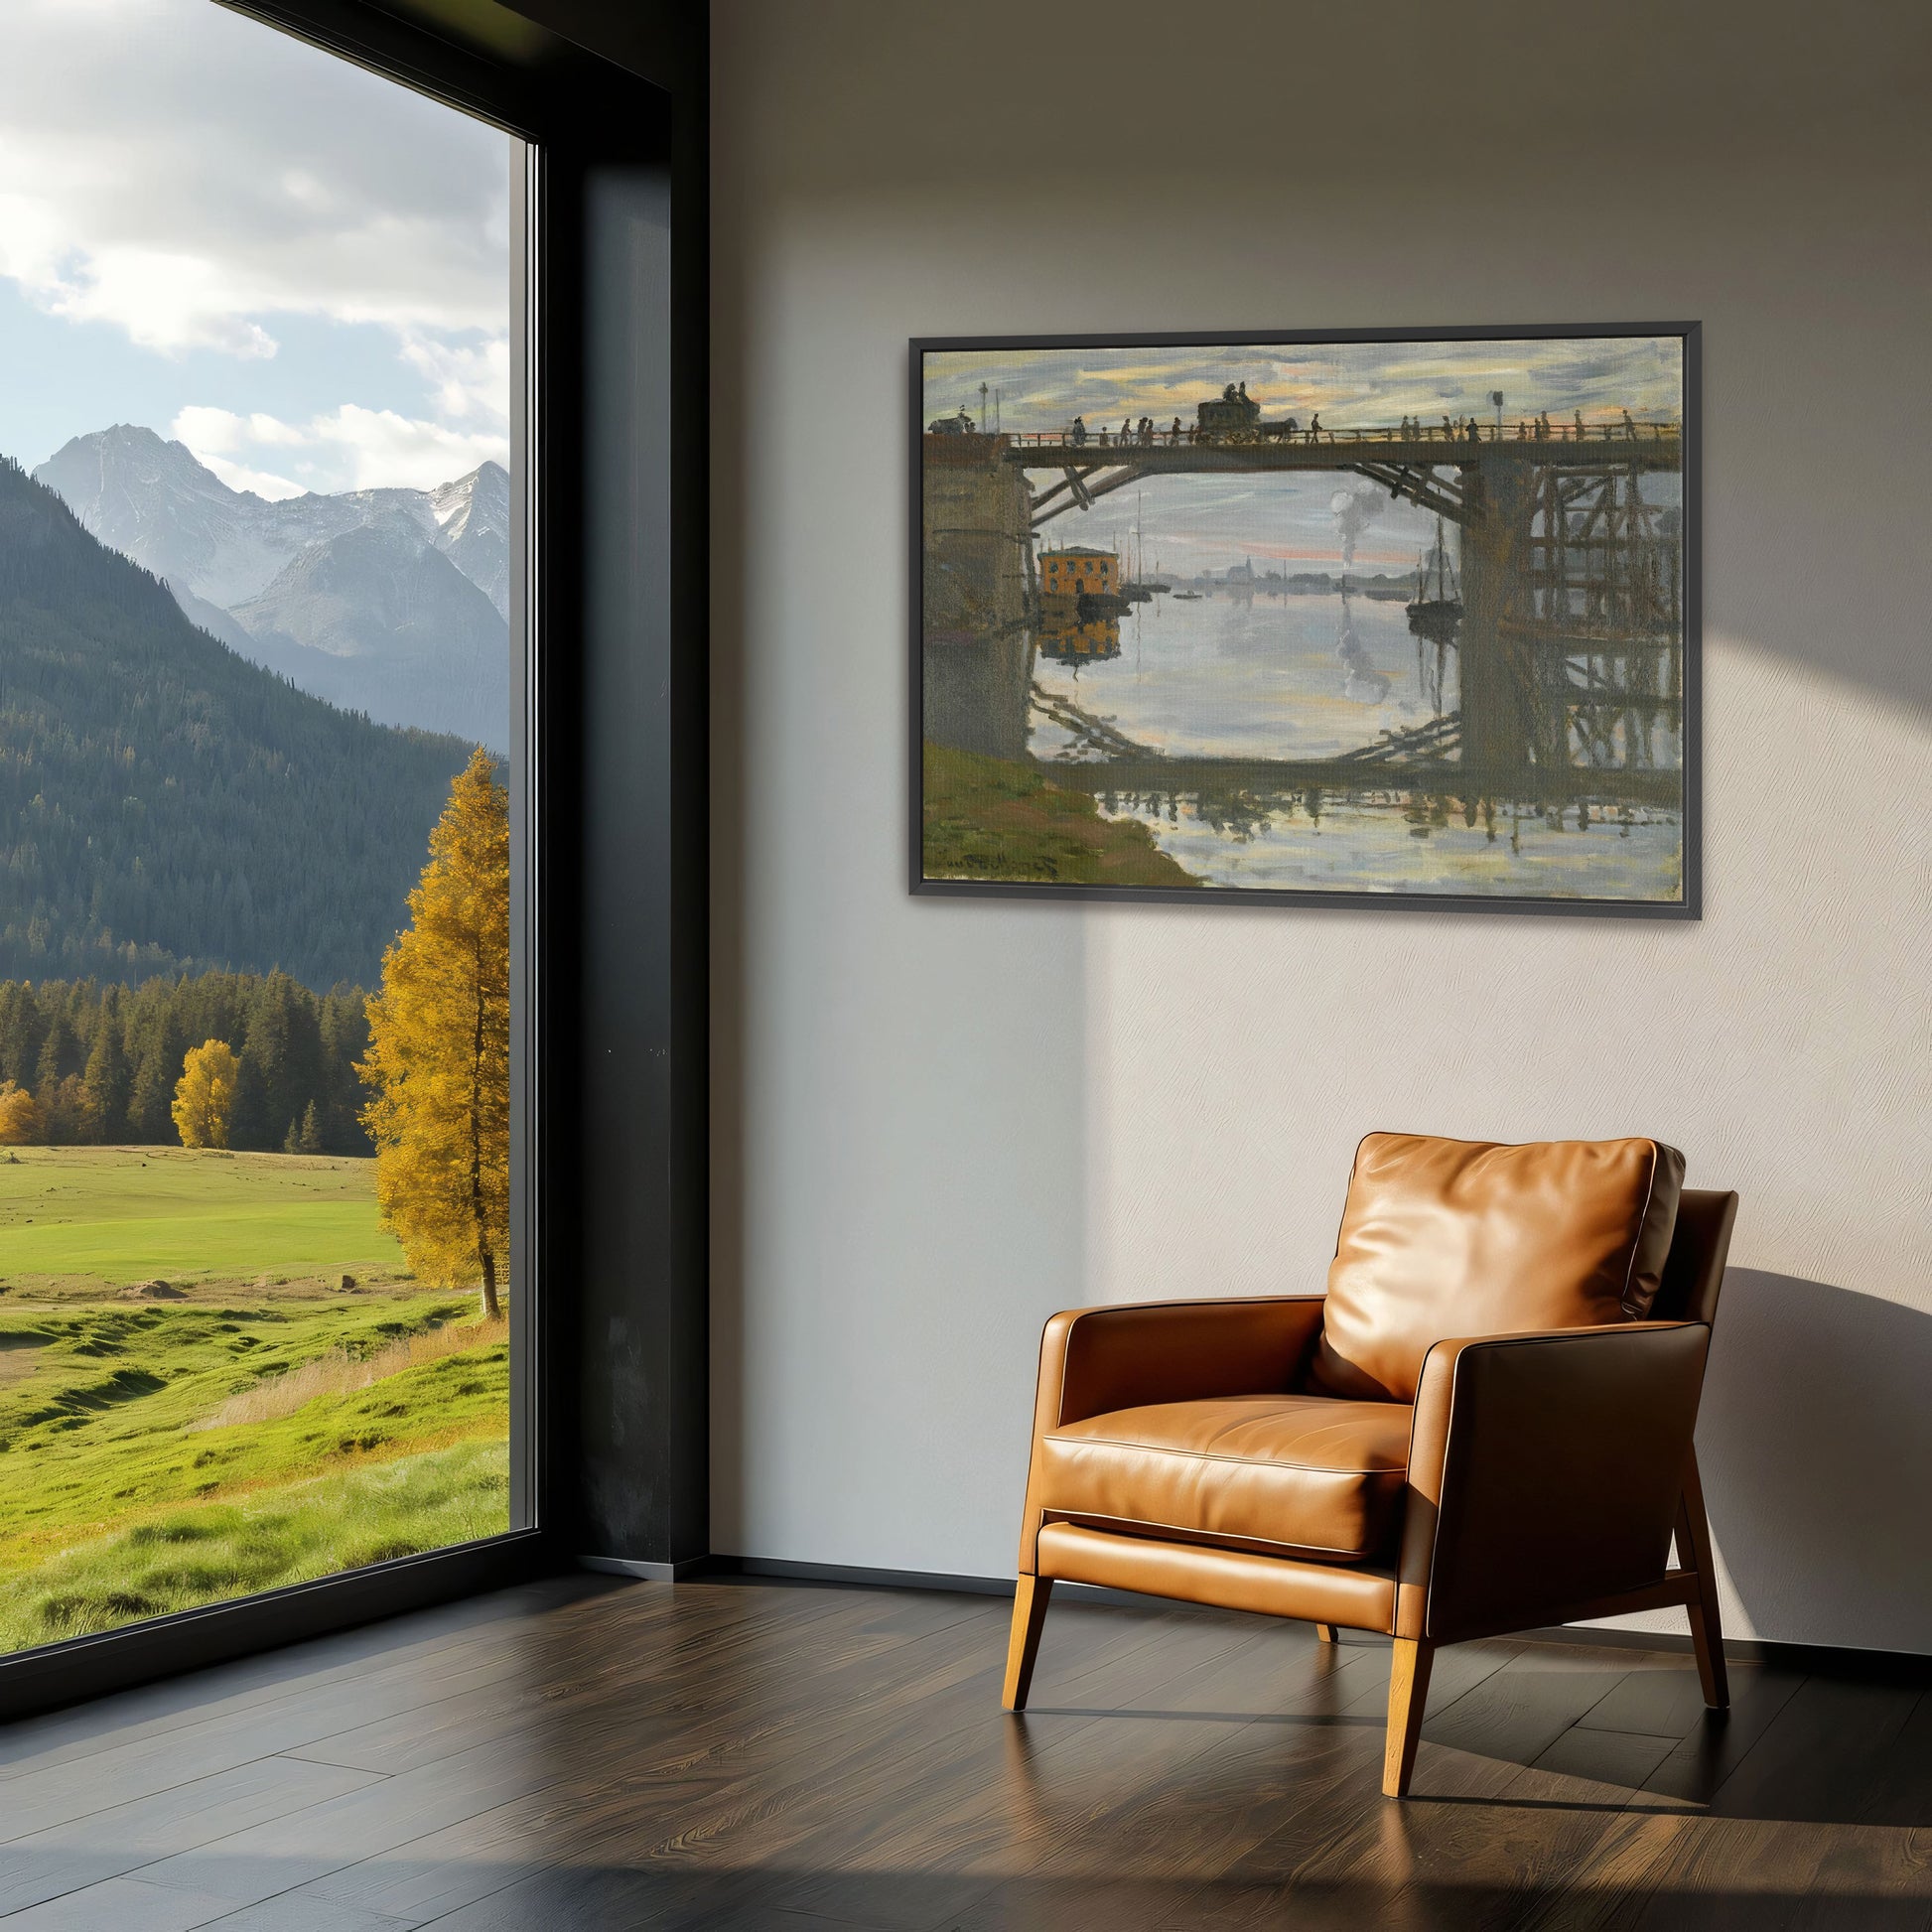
[
  {"x": 1443, "y": 1239},
  {"x": 1290, "y": 1473}
]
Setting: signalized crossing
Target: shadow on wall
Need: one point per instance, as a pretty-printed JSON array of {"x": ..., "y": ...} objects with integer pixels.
[{"x": 1816, "y": 1442}]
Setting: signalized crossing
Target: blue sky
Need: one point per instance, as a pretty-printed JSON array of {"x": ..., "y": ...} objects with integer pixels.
[{"x": 299, "y": 269}]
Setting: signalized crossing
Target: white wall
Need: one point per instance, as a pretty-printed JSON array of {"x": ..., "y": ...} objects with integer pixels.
[{"x": 938, "y": 1121}]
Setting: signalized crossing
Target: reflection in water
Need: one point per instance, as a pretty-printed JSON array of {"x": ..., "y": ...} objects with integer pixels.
[
  {"x": 1292, "y": 678},
  {"x": 974, "y": 692},
  {"x": 1395, "y": 841},
  {"x": 1076, "y": 644},
  {"x": 1365, "y": 684}
]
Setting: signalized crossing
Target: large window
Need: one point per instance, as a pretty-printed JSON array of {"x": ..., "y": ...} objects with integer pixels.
[{"x": 260, "y": 635}]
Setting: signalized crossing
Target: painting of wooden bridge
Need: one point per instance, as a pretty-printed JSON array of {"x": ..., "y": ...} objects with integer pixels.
[{"x": 1559, "y": 676}]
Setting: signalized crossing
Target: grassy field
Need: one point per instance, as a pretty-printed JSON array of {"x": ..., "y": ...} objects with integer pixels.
[
  {"x": 262, "y": 1425},
  {"x": 107, "y": 1216}
]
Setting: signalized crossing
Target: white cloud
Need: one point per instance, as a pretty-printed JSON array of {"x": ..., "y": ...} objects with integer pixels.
[
  {"x": 199, "y": 181},
  {"x": 466, "y": 379},
  {"x": 224, "y": 175},
  {"x": 346, "y": 447},
  {"x": 386, "y": 448}
]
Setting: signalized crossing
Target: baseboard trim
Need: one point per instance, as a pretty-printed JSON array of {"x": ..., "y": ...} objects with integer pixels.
[
  {"x": 851, "y": 1577},
  {"x": 1823, "y": 1660},
  {"x": 650, "y": 1573},
  {"x": 219, "y": 1633}
]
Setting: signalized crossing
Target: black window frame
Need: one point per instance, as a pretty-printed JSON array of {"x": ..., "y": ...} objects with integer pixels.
[{"x": 609, "y": 1043}]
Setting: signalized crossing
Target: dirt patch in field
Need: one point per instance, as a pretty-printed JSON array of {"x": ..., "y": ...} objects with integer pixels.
[{"x": 18, "y": 1356}]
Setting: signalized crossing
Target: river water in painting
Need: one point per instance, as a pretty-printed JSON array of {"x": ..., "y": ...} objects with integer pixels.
[{"x": 1250, "y": 674}]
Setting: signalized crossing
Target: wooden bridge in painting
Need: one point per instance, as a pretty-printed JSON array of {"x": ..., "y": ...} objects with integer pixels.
[
  {"x": 1571, "y": 579},
  {"x": 1406, "y": 462},
  {"x": 1572, "y": 639}
]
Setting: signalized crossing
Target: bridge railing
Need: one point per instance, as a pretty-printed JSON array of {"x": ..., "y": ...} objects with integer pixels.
[{"x": 1526, "y": 430}]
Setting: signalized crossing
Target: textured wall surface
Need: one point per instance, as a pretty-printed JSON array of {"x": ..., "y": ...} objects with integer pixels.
[{"x": 938, "y": 1121}]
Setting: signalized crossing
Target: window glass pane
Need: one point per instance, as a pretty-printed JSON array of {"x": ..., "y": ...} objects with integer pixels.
[{"x": 256, "y": 750}]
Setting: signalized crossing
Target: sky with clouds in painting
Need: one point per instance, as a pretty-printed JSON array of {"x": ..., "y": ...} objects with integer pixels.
[
  {"x": 295, "y": 267},
  {"x": 1194, "y": 523}
]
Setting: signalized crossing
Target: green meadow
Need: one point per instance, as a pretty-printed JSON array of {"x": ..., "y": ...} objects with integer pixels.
[
  {"x": 216, "y": 1376},
  {"x": 103, "y": 1216}
]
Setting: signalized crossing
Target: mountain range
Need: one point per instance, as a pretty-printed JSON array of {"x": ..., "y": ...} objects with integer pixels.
[
  {"x": 167, "y": 806},
  {"x": 391, "y": 602}
]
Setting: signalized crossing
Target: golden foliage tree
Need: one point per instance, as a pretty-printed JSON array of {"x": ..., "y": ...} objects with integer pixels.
[
  {"x": 439, "y": 1060},
  {"x": 204, "y": 1094},
  {"x": 20, "y": 1116}
]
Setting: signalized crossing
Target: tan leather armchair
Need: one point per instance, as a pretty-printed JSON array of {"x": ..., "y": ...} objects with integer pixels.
[{"x": 1483, "y": 1426}]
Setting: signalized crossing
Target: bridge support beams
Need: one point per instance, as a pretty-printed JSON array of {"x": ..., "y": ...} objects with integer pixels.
[
  {"x": 976, "y": 526},
  {"x": 1497, "y": 665}
]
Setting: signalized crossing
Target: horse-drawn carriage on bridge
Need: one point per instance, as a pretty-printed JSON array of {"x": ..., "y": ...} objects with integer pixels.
[{"x": 1231, "y": 417}]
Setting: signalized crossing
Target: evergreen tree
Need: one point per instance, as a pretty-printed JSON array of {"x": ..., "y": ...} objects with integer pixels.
[
  {"x": 300, "y": 1051},
  {"x": 438, "y": 1063},
  {"x": 309, "y": 1141},
  {"x": 248, "y": 1119},
  {"x": 150, "y": 1115},
  {"x": 61, "y": 1051},
  {"x": 104, "y": 1086}
]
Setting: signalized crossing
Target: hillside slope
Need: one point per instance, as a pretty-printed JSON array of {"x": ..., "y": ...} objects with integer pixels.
[{"x": 166, "y": 805}]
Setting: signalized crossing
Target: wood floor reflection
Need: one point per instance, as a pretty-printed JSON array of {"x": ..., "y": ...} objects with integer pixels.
[{"x": 584, "y": 1753}]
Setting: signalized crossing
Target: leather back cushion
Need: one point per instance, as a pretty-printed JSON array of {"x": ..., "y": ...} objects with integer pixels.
[{"x": 1451, "y": 1238}]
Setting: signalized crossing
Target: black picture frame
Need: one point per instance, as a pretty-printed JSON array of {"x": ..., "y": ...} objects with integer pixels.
[{"x": 1687, "y": 906}]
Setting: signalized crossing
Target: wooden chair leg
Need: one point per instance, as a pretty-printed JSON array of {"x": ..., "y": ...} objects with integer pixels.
[
  {"x": 1694, "y": 1552},
  {"x": 1324, "y": 1633},
  {"x": 1408, "y": 1694},
  {"x": 1022, "y": 1644}
]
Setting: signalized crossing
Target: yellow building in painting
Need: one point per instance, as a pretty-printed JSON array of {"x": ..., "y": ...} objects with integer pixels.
[{"x": 1074, "y": 573}]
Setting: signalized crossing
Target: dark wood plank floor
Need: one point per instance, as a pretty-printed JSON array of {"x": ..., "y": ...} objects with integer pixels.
[{"x": 731, "y": 1756}]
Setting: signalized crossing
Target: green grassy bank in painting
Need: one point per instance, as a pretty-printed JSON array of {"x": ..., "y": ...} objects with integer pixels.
[
  {"x": 217, "y": 1377},
  {"x": 992, "y": 819}
]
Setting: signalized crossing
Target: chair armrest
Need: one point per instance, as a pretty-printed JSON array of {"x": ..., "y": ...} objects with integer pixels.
[
  {"x": 1093, "y": 1361},
  {"x": 1544, "y": 1472}
]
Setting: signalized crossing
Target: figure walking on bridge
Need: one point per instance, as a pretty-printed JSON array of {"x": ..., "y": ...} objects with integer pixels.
[
  {"x": 1079, "y": 430},
  {"x": 1174, "y": 435},
  {"x": 1315, "y": 427},
  {"x": 1581, "y": 431},
  {"x": 1629, "y": 428}
]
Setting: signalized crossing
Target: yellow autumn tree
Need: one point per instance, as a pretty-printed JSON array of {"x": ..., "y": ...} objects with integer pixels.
[
  {"x": 204, "y": 1094},
  {"x": 439, "y": 1058},
  {"x": 20, "y": 1116}
]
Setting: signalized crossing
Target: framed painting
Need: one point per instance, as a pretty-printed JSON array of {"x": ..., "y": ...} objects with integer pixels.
[{"x": 1369, "y": 617}]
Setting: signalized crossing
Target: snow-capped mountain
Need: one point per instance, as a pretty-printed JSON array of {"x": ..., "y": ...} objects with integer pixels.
[
  {"x": 473, "y": 521},
  {"x": 375, "y": 620},
  {"x": 241, "y": 566}
]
